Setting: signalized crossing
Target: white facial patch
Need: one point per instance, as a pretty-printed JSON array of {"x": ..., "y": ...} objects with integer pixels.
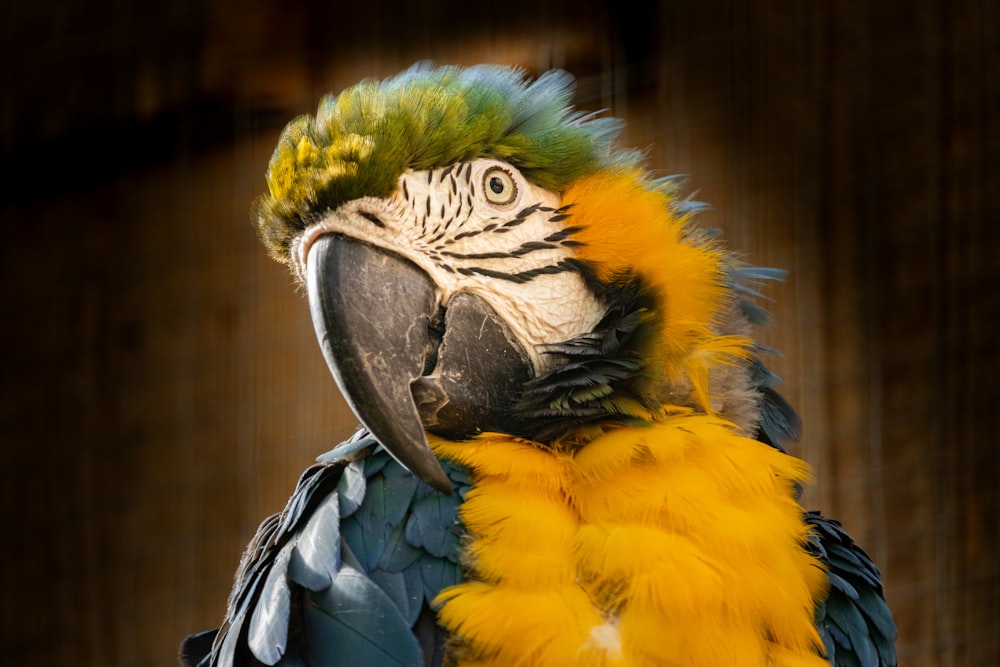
[{"x": 478, "y": 227}]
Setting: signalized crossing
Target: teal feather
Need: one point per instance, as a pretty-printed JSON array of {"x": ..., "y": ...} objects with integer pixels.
[
  {"x": 344, "y": 575},
  {"x": 268, "y": 630},
  {"x": 355, "y": 622},
  {"x": 854, "y": 620}
]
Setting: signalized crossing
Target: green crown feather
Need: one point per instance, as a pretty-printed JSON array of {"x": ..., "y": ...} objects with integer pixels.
[{"x": 362, "y": 140}]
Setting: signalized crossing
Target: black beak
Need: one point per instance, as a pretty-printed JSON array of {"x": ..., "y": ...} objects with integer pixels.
[
  {"x": 401, "y": 365},
  {"x": 372, "y": 314}
]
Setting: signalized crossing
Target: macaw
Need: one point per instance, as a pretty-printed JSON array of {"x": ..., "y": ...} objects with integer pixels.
[{"x": 571, "y": 451}]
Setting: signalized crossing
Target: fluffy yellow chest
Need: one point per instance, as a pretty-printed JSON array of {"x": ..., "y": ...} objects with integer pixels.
[{"x": 678, "y": 543}]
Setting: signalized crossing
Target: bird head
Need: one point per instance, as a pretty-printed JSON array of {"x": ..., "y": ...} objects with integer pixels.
[{"x": 479, "y": 256}]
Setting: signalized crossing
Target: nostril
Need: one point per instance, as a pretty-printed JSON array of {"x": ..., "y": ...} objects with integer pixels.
[{"x": 435, "y": 332}]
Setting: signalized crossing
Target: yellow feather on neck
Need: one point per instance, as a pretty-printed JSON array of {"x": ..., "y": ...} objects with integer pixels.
[
  {"x": 679, "y": 543},
  {"x": 627, "y": 229}
]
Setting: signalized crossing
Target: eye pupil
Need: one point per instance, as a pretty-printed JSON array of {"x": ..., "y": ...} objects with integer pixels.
[{"x": 496, "y": 185}]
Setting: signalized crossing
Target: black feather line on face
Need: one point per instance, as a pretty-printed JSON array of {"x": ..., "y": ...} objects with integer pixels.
[
  {"x": 563, "y": 266},
  {"x": 601, "y": 375}
]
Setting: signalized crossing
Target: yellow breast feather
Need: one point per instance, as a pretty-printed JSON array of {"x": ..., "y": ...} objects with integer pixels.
[{"x": 678, "y": 543}]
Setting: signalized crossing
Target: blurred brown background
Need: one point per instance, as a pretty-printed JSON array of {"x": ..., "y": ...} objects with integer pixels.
[{"x": 162, "y": 389}]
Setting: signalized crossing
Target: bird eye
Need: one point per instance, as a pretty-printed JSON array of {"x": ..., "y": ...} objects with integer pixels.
[{"x": 499, "y": 186}]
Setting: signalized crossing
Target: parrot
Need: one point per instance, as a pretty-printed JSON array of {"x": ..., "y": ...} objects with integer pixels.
[{"x": 570, "y": 451}]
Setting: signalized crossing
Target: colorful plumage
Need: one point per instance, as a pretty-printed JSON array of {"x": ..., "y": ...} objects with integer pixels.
[{"x": 524, "y": 318}]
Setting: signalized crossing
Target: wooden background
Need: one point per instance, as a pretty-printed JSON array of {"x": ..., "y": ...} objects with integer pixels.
[{"x": 161, "y": 385}]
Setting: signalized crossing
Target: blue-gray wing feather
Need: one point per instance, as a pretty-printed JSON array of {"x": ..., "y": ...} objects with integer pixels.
[
  {"x": 854, "y": 620},
  {"x": 346, "y": 573}
]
